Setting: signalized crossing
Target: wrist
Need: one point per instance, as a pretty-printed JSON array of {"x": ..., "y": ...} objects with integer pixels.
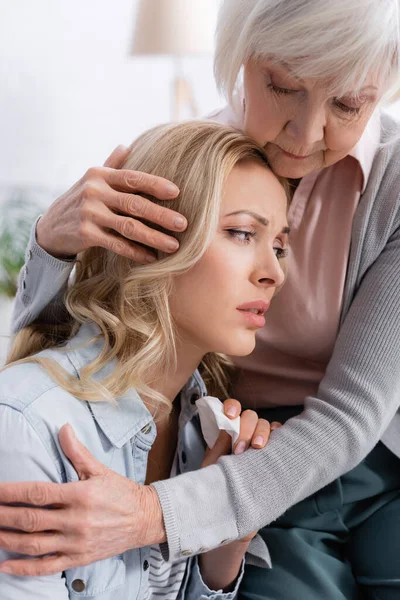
[
  {"x": 44, "y": 244},
  {"x": 153, "y": 518}
]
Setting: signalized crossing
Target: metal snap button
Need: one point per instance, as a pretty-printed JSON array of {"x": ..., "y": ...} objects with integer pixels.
[
  {"x": 146, "y": 428},
  {"x": 146, "y": 565},
  {"x": 78, "y": 585},
  {"x": 186, "y": 552}
]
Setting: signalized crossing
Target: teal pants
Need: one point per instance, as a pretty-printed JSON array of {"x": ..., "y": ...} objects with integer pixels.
[{"x": 342, "y": 543}]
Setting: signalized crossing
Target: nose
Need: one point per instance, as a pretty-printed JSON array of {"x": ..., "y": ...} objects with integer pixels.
[
  {"x": 269, "y": 272},
  {"x": 307, "y": 126}
]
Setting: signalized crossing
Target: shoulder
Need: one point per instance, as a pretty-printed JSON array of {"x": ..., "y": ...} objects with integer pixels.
[{"x": 33, "y": 407}]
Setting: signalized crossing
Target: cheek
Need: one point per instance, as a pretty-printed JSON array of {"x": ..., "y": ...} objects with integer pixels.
[
  {"x": 341, "y": 137},
  {"x": 264, "y": 118}
]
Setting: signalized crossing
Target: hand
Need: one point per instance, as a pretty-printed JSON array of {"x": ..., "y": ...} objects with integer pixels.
[
  {"x": 220, "y": 567},
  {"x": 105, "y": 201},
  {"x": 99, "y": 517},
  {"x": 254, "y": 432}
]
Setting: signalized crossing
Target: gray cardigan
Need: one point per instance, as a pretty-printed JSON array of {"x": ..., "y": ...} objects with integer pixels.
[{"x": 357, "y": 400}]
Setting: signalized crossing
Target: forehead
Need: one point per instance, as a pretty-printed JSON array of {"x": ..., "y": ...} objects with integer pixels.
[{"x": 251, "y": 185}]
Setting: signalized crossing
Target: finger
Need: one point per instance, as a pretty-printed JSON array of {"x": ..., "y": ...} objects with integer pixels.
[
  {"x": 37, "y": 493},
  {"x": 31, "y": 544},
  {"x": 139, "y": 232},
  {"x": 275, "y": 425},
  {"x": 248, "y": 424},
  {"x": 82, "y": 460},
  {"x": 37, "y": 567},
  {"x": 232, "y": 408},
  {"x": 30, "y": 520},
  {"x": 221, "y": 447},
  {"x": 137, "y": 206},
  {"x": 119, "y": 245},
  {"x": 261, "y": 434},
  {"x": 136, "y": 181},
  {"x": 117, "y": 157}
]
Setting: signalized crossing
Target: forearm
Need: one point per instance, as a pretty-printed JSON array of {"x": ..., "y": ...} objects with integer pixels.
[
  {"x": 41, "y": 286},
  {"x": 220, "y": 567}
]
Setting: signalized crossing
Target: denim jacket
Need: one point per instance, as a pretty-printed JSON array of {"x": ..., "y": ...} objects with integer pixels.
[{"x": 32, "y": 410}]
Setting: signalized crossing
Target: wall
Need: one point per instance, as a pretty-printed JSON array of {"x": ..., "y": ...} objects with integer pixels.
[{"x": 70, "y": 93}]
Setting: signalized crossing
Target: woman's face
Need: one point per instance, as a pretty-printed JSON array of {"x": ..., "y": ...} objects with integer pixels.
[
  {"x": 301, "y": 127},
  {"x": 214, "y": 304}
]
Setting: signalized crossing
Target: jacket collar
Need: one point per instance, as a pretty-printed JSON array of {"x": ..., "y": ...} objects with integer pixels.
[
  {"x": 129, "y": 415},
  {"x": 125, "y": 419}
]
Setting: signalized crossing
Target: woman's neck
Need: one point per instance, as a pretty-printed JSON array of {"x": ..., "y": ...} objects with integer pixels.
[{"x": 170, "y": 384}]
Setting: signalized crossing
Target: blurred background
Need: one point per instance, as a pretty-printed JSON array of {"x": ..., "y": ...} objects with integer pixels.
[{"x": 77, "y": 79}]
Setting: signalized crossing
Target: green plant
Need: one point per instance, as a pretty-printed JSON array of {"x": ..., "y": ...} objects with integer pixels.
[{"x": 17, "y": 215}]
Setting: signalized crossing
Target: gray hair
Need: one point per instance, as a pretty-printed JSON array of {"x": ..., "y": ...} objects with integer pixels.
[{"x": 341, "y": 41}]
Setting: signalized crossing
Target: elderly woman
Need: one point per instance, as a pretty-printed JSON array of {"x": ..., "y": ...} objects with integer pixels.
[{"x": 325, "y": 491}]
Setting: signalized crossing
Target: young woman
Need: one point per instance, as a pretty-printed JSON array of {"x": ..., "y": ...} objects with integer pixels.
[
  {"x": 315, "y": 73},
  {"x": 123, "y": 370}
]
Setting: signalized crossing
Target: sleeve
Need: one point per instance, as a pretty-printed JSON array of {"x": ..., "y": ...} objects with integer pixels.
[
  {"x": 196, "y": 589},
  {"x": 356, "y": 401},
  {"x": 27, "y": 461},
  {"x": 41, "y": 285}
]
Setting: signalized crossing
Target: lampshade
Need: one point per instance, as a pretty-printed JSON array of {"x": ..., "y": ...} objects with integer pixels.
[{"x": 175, "y": 27}]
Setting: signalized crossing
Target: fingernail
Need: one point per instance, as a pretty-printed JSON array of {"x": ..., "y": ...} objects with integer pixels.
[
  {"x": 150, "y": 258},
  {"x": 231, "y": 412},
  {"x": 180, "y": 222},
  {"x": 240, "y": 448},
  {"x": 172, "y": 245},
  {"x": 258, "y": 440},
  {"x": 172, "y": 190}
]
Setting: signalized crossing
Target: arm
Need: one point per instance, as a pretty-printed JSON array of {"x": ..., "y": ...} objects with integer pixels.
[
  {"x": 42, "y": 284},
  {"x": 19, "y": 462},
  {"x": 356, "y": 401},
  {"x": 219, "y": 572},
  {"x": 83, "y": 217}
]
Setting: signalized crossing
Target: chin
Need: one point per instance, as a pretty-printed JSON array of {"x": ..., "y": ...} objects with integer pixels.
[
  {"x": 240, "y": 347},
  {"x": 292, "y": 172}
]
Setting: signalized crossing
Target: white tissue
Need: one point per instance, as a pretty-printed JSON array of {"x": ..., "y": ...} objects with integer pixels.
[{"x": 213, "y": 420}]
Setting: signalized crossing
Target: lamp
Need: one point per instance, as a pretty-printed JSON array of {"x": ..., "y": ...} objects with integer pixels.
[{"x": 176, "y": 28}]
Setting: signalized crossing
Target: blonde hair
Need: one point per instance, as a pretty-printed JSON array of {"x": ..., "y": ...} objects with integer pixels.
[
  {"x": 130, "y": 302},
  {"x": 340, "y": 41}
]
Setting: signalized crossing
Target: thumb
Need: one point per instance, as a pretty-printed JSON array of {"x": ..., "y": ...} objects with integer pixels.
[
  {"x": 83, "y": 462},
  {"x": 117, "y": 157}
]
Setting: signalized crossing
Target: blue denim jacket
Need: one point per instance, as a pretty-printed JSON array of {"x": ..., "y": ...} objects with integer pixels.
[{"x": 32, "y": 410}]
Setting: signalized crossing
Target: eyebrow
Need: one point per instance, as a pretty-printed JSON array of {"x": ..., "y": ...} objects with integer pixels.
[{"x": 257, "y": 217}]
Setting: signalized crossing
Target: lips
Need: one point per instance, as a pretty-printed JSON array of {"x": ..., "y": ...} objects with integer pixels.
[
  {"x": 295, "y": 156},
  {"x": 253, "y": 312},
  {"x": 257, "y": 307}
]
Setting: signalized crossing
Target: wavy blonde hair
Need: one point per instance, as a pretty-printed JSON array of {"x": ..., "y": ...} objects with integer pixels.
[{"x": 130, "y": 302}]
